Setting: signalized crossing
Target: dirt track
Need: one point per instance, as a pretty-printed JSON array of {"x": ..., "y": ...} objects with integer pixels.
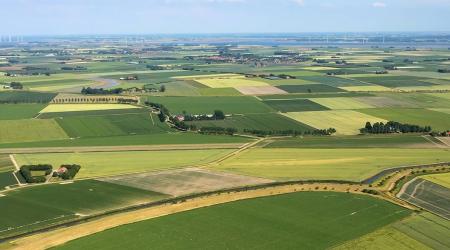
[
  {"x": 60, "y": 236},
  {"x": 121, "y": 148}
]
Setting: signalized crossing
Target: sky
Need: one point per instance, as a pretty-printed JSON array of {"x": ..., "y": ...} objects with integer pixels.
[{"x": 70, "y": 17}]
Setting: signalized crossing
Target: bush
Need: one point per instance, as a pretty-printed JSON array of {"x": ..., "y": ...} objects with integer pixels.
[
  {"x": 72, "y": 170},
  {"x": 25, "y": 171}
]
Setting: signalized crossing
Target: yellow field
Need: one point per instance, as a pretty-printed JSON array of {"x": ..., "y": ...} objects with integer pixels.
[
  {"x": 84, "y": 107},
  {"x": 232, "y": 82},
  {"x": 341, "y": 103},
  {"x": 319, "y": 68},
  {"x": 371, "y": 88},
  {"x": 346, "y": 122},
  {"x": 441, "y": 179},
  {"x": 206, "y": 76}
]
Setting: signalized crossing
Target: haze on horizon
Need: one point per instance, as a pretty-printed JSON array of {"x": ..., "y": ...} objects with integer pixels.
[{"x": 65, "y": 17}]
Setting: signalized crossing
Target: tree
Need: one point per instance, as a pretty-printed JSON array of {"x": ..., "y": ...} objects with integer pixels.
[
  {"x": 219, "y": 115},
  {"x": 162, "y": 88}
]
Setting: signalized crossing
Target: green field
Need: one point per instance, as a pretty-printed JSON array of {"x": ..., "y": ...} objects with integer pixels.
[
  {"x": 266, "y": 122},
  {"x": 34, "y": 207},
  {"x": 419, "y": 231},
  {"x": 207, "y": 104},
  {"x": 379, "y": 141},
  {"x": 311, "y": 220},
  {"x": 437, "y": 120},
  {"x": 441, "y": 179},
  {"x": 19, "y": 111},
  {"x": 112, "y": 125},
  {"x": 346, "y": 122},
  {"x": 396, "y": 81},
  {"x": 55, "y": 108},
  {"x": 93, "y": 113},
  {"x": 6, "y": 168},
  {"x": 30, "y": 130},
  {"x": 152, "y": 139},
  {"x": 353, "y": 164},
  {"x": 26, "y": 97},
  {"x": 295, "y": 105},
  {"x": 309, "y": 88},
  {"x": 113, "y": 163}
]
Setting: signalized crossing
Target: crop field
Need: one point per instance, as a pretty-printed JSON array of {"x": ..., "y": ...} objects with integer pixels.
[
  {"x": 396, "y": 81},
  {"x": 354, "y": 164},
  {"x": 30, "y": 130},
  {"x": 384, "y": 102},
  {"x": 265, "y": 122},
  {"x": 334, "y": 81},
  {"x": 309, "y": 88},
  {"x": 112, "y": 125},
  {"x": 371, "y": 88},
  {"x": 6, "y": 168},
  {"x": 230, "y": 82},
  {"x": 260, "y": 90},
  {"x": 294, "y": 105},
  {"x": 437, "y": 120},
  {"x": 184, "y": 181},
  {"x": 93, "y": 113},
  {"x": 26, "y": 97},
  {"x": 427, "y": 195},
  {"x": 207, "y": 104},
  {"x": 99, "y": 164},
  {"x": 52, "y": 108},
  {"x": 31, "y": 208},
  {"x": 19, "y": 111},
  {"x": 440, "y": 179},
  {"x": 419, "y": 231},
  {"x": 420, "y": 100},
  {"x": 346, "y": 122},
  {"x": 341, "y": 103},
  {"x": 284, "y": 221},
  {"x": 379, "y": 141}
]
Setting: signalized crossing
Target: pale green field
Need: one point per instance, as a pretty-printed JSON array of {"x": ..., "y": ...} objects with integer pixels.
[
  {"x": 346, "y": 122},
  {"x": 327, "y": 164},
  {"x": 206, "y": 76},
  {"x": 114, "y": 163},
  {"x": 441, "y": 95},
  {"x": 84, "y": 107},
  {"x": 370, "y": 88},
  {"x": 319, "y": 67},
  {"x": 387, "y": 238},
  {"x": 441, "y": 179},
  {"x": 445, "y": 111},
  {"x": 230, "y": 82},
  {"x": 341, "y": 103},
  {"x": 30, "y": 130}
]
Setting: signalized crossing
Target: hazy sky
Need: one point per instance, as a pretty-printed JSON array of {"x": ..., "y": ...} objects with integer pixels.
[{"x": 220, "y": 16}]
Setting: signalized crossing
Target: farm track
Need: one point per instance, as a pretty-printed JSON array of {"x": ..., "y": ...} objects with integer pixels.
[{"x": 121, "y": 148}]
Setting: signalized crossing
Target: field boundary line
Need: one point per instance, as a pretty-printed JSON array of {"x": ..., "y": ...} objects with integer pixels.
[
  {"x": 14, "y": 162},
  {"x": 442, "y": 145}
]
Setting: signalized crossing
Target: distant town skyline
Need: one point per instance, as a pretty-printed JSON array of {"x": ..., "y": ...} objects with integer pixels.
[{"x": 66, "y": 17}]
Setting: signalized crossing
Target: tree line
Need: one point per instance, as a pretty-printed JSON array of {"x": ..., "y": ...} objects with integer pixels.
[
  {"x": 101, "y": 91},
  {"x": 393, "y": 127},
  {"x": 26, "y": 172}
]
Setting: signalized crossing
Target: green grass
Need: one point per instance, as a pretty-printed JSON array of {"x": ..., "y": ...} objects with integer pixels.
[
  {"x": 98, "y": 164},
  {"x": 341, "y": 103},
  {"x": 39, "y": 206},
  {"x": 152, "y": 139},
  {"x": 333, "y": 81},
  {"x": 111, "y": 125},
  {"x": 353, "y": 164},
  {"x": 437, "y": 120},
  {"x": 30, "y": 130},
  {"x": 309, "y": 88},
  {"x": 396, "y": 81},
  {"x": 441, "y": 179},
  {"x": 26, "y": 97},
  {"x": 310, "y": 220},
  {"x": 314, "y": 95},
  {"x": 295, "y": 105},
  {"x": 19, "y": 111},
  {"x": 382, "y": 141},
  {"x": 266, "y": 122},
  {"x": 207, "y": 104}
]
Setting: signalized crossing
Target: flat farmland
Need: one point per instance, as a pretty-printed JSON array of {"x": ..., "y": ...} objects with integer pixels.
[
  {"x": 384, "y": 102},
  {"x": 353, "y": 164},
  {"x": 368, "y": 141},
  {"x": 26, "y": 97},
  {"x": 333, "y": 81},
  {"x": 346, "y": 122},
  {"x": 308, "y": 219},
  {"x": 112, "y": 125},
  {"x": 396, "y": 81},
  {"x": 99, "y": 164},
  {"x": 260, "y": 90},
  {"x": 341, "y": 103},
  {"x": 309, "y": 88},
  {"x": 30, "y": 130},
  {"x": 367, "y": 88},
  {"x": 84, "y": 107},
  {"x": 19, "y": 111},
  {"x": 437, "y": 120},
  {"x": 207, "y": 104},
  {"x": 266, "y": 122},
  {"x": 184, "y": 181},
  {"x": 35, "y": 207},
  {"x": 294, "y": 105},
  {"x": 232, "y": 82},
  {"x": 419, "y": 231},
  {"x": 440, "y": 179}
]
